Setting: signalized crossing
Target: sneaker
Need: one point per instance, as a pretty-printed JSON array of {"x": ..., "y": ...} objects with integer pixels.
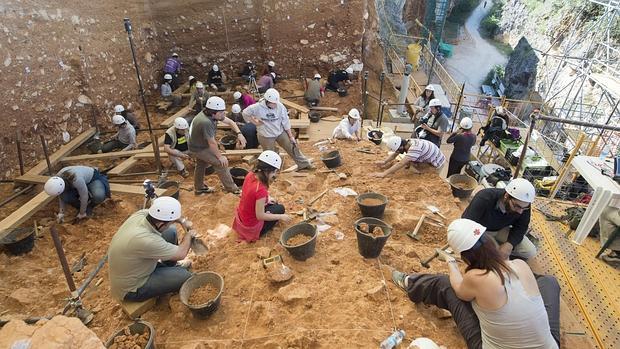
[
  {"x": 184, "y": 173},
  {"x": 611, "y": 257},
  {"x": 205, "y": 190}
]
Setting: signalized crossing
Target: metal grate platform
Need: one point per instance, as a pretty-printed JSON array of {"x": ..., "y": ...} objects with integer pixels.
[{"x": 589, "y": 286}]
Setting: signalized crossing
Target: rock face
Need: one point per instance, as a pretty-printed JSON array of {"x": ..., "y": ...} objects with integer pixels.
[
  {"x": 60, "y": 332},
  {"x": 520, "y": 76}
]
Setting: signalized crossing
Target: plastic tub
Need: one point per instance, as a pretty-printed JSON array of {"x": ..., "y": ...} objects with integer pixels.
[
  {"x": 462, "y": 185},
  {"x": 19, "y": 240},
  {"x": 229, "y": 142},
  {"x": 314, "y": 116},
  {"x": 331, "y": 159},
  {"x": 238, "y": 175},
  {"x": 138, "y": 327},
  {"x": 172, "y": 189},
  {"x": 305, "y": 250},
  {"x": 369, "y": 245},
  {"x": 372, "y": 204},
  {"x": 202, "y": 311},
  {"x": 375, "y": 136}
]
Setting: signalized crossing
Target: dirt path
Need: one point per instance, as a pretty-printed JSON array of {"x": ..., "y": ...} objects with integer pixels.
[{"x": 474, "y": 56}]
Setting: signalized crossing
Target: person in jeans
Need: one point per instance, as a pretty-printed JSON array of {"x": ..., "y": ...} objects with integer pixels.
[
  {"x": 463, "y": 139},
  {"x": 203, "y": 146},
  {"x": 82, "y": 187},
  {"x": 145, "y": 259},
  {"x": 257, "y": 212},
  {"x": 273, "y": 126},
  {"x": 418, "y": 151},
  {"x": 125, "y": 137},
  {"x": 495, "y": 303},
  {"x": 506, "y": 214},
  {"x": 432, "y": 125},
  {"x": 608, "y": 222},
  {"x": 314, "y": 91},
  {"x": 175, "y": 145}
]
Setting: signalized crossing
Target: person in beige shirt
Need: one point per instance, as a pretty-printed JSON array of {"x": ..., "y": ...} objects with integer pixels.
[{"x": 143, "y": 253}]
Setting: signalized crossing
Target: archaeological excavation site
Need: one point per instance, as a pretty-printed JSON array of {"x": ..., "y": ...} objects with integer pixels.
[{"x": 310, "y": 174}]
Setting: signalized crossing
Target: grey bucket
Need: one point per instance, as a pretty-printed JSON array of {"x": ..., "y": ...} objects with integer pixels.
[
  {"x": 137, "y": 327},
  {"x": 305, "y": 250},
  {"x": 375, "y": 211},
  {"x": 202, "y": 311}
]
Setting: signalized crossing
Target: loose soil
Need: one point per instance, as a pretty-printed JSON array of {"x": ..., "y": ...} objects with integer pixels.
[
  {"x": 298, "y": 239},
  {"x": 371, "y": 202},
  {"x": 130, "y": 341},
  {"x": 203, "y": 295}
]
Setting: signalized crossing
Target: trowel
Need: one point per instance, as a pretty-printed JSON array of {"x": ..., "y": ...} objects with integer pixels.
[
  {"x": 435, "y": 210},
  {"x": 197, "y": 245}
]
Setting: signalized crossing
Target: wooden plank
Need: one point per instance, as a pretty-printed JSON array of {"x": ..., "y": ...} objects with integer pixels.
[
  {"x": 169, "y": 121},
  {"x": 114, "y": 187},
  {"x": 295, "y": 124},
  {"x": 324, "y": 109},
  {"x": 572, "y": 332},
  {"x": 181, "y": 89},
  {"x": 236, "y": 152},
  {"x": 63, "y": 151},
  {"x": 294, "y": 105},
  {"x": 24, "y": 212},
  {"x": 125, "y": 165},
  {"x": 110, "y": 155},
  {"x": 135, "y": 309}
]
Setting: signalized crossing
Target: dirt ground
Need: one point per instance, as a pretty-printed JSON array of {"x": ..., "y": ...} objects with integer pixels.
[{"x": 335, "y": 298}]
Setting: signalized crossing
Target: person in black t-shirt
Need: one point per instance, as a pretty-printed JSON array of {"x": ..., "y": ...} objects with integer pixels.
[
  {"x": 175, "y": 144},
  {"x": 339, "y": 79}
]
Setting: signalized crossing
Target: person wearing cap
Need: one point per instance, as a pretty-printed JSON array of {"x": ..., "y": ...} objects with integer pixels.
[
  {"x": 314, "y": 91},
  {"x": 495, "y": 303},
  {"x": 257, "y": 212},
  {"x": 418, "y": 151},
  {"x": 463, "y": 139},
  {"x": 173, "y": 67},
  {"x": 166, "y": 91},
  {"x": 175, "y": 144},
  {"x": 82, "y": 187},
  {"x": 215, "y": 78},
  {"x": 145, "y": 259},
  {"x": 128, "y": 115},
  {"x": 420, "y": 106},
  {"x": 271, "y": 66},
  {"x": 204, "y": 148},
  {"x": 192, "y": 84},
  {"x": 433, "y": 125},
  {"x": 339, "y": 79},
  {"x": 248, "y": 71},
  {"x": 274, "y": 126},
  {"x": 244, "y": 99},
  {"x": 506, "y": 214},
  {"x": 350, "y": 127},
  {"x": 123, "y": 139},
  {"x": 198, "y": 99},
  {"x": 248, "y": 129},
  {"x": 265, "y": 82}
]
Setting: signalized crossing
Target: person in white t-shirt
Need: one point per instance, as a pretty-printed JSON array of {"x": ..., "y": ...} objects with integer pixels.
[{"x": 349, "y": 127}]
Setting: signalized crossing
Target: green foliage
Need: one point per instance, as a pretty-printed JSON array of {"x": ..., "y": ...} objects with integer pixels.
[
  {"x": 489, "y": 26},
  {"x": 497, "y": 69},
  {"x": 461, "y": 11}
]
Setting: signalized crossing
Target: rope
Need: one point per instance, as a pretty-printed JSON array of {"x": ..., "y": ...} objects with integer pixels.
[
  {"x": 247, "y": 318},
  {"x": 387, "y": 292}
]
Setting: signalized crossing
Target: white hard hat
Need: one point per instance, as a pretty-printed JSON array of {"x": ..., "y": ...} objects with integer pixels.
[
  {"x": 119, "y": 108},
  {"x": 175, "y": 54},
  {"x": 191, "y": 77},
  {"x": 429, "y": 87},
  {"x": 354, "y": 113},
  {"x": 180, "y": 123},
  {"x": 216, "y": 103},
  {"x": 466, "y": 123},
  {"x": 424, "y": 343},
  {"x": 118, "y": 120},
  {"x": 237, "y": 95},
  {"x": 249, "y": 61},
  {"x": 54, "y": 186},
  {"x": 236, "y": 108},
  {"x": 463, "y": 234},
  {"x": 165, "y": 208},
  {"x": 215, "y": 67},
  {"x": 521, "y": 189},
  {"x": 273, "y": 74},
  {"x": 167, "y": 77},
  {"x": 317, "y": 76},
  {"x": 200, "y": 85},
  {"x": 435, "y": 102},
  {"x": 271, "y": 64},
  {"x": 393, "y": 143},
  {"x": 349, "y": 70},
  {"x": 271, "y": 158},
  {"x": 500, "y": 110},
  {"x": 272, "y": 95}
]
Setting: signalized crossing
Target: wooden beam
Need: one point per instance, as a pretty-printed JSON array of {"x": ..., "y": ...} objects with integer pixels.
[
  {"x": 324, "y": 109},
  {"x": 110, "y": 155},
  {"x": 63, "y": 151},
  {"x": 294, "y": 105},
  {"x": 295, "y": 124},
  {"x": 114, "y": 187},
  {"x": 230, "y": 153},
  {"x": 181, "y": 89},
  {"x": 24, "y": 212},
  {"x": 126, "y": 165},
  {"x": 169, "y": 121}
]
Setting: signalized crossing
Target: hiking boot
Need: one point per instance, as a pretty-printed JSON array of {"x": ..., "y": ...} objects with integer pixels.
[
  {"x": 205, "y": 190},
  {"x": 611, "y": 258},
  {"x": 184, "y": 173}
]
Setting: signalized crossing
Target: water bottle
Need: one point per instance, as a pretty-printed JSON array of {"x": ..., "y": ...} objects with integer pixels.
[
  {"x": 604, "y": 153},
  {"x": 393, "y": 340}
]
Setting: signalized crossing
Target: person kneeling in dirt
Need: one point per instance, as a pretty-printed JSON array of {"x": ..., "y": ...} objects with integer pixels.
[
  {"x": 506, "y": 213},
  {"x": 273, "y": 126},
  {"x": 203, "y": 146},
  {"x": 248, "y": 129},
  {"x": 199, "y": 98},
  {"x": 145, "y": 259},
  {"x": 496, "y": 303},
  {"x": 124, "y": 139},
  {"x": 175, "y": 144},
  {"x": 350, "y": 127},
  {"x": 82, "y": 187},
  {"x": 128, "y": 115},
  {"x": 258, "y": 212},
  {"x": 339, "y": 79},
  {"x": 314, "y": 91},
  {"x": 166, "y": 91},
  {"x": 418, "y": 151}
]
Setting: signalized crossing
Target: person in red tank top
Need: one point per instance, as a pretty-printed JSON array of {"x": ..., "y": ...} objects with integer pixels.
[{"x": 257, "y": 213}]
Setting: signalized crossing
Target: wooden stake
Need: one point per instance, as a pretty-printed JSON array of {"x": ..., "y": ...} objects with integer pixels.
[{"x": 317, "y": 197}]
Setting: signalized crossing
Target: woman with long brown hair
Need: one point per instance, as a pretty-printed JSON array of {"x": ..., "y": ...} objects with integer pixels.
[
  {"x": 496, "y": 303},
  {"x": 257, "y": 212}
]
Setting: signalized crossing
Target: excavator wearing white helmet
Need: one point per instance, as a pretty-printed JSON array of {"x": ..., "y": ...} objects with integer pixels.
[{"x": 271, "y": 158}]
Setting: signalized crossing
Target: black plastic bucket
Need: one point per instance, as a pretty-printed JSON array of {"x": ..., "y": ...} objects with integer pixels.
[
  {"x": 375, "y": 136},
  {"x": 19, "y": 240},
  {"x": 172, "y": 189},
  {"x": 368, "y": 210},
  {"x": 462, "y": 185},
  {"x": 138, "y": 327},
  {"x": 370, "y": 246},
  {"x": 229, "y": 142},
  {"x": 202, "y": 311},
  {"x": 331, "y": 159},
  {"x": 305, "y": 250},
  {"x": 238, "y": 175},
  {"x": 342, "y": 92},
  {"x": 314, "y": 116}
]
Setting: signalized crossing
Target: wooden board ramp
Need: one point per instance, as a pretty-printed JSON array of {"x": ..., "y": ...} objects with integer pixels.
[
  {"x": 294, "y": 105},
  {"x": 105, "y": 156},
  {"x": 127, "y": 164},
  {"x": 24, "y": 212},
  {"x": 63, "y": 151},
  {"x": 170, "y": 120},
  {"x": 114, "y": 187}
]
